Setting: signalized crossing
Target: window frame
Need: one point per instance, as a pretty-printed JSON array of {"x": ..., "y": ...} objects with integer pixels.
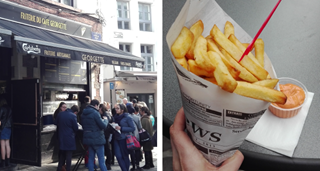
[
  {"x": 125, "y": 68},
  {"x": 62, "y": 2},
  {"x": 146, "y": 55},
  {"x": 144, "y": 21},
  {"x": 121, "y": 19}
]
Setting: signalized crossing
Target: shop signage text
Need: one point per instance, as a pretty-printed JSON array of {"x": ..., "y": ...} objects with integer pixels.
[
  {"x": 30, "y": 49},
  {"x": 44, "y": 20},
  {"x": 1, "y": 40}
]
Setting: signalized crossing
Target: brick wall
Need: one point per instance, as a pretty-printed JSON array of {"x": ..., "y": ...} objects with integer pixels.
[{"x": 52, "y": 7}]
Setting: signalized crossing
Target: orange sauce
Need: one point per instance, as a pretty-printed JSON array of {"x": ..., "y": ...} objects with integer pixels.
[{"x": 295, "y": 96}]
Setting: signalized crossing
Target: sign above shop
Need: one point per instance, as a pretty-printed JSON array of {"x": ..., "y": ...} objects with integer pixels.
[
  {"x": 44, "y": 20},
  {"x": 47, "y": 51},
  {"x": 5, "y": 40},
  {"x": 96, "y": 36}
]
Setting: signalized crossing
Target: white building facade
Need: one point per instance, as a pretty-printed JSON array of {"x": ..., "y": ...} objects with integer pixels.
[{"x": 134, "y": 26}]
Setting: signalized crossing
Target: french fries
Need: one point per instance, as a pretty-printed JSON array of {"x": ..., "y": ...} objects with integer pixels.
[
  {"x": 221, "y": 73},
  {"x": 183, "y": 62},
  {"x": 201, "y": 55},
  {"x": 215, "y": 59},
  {"x": 182, "y": 44},
  {"x": 228, "y": 29},
  {"x": 194, "y": 68},
  {"x": 235, "y": 41},
  {"x": 259, "y": 51},
  {"x": 271, "y": 83},
  {"x": 233, "y": 50},
  {"x": 260, "y": 92},
  {"x": 196, "y": 29}
]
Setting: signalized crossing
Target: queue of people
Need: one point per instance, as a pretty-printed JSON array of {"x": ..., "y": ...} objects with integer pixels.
[{"x": 105, "y": 132}]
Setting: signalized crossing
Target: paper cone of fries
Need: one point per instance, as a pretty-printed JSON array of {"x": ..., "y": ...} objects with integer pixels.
[{"x": 217, "y": 121}]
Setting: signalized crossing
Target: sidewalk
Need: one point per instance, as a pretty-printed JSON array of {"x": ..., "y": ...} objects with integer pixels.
[{"x": 53, "y": 166}]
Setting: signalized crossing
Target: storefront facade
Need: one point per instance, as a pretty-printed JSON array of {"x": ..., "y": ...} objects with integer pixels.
[{"x": 46, "y": 59}]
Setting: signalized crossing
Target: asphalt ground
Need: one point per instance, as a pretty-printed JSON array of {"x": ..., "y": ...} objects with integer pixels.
[{"x": 53, "y": 166}]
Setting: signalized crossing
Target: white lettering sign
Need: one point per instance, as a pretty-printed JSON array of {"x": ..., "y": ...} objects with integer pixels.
[
  {"x": 1, "y": 40},
  {"x": 30, "y": 49}
]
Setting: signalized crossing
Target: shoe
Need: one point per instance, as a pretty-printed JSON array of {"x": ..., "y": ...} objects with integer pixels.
[
  {"x": 8, "y": 162},
  {"x": 132, "y": 169},
  {"x": 108, "y": 167},
  {"x": 3, "y": 163},
  {"x": 146, "y": 167}
]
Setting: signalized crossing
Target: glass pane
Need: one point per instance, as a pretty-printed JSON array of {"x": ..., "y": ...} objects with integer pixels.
[
  {"x": 148, "y": 16},
  {"x": 149, "y": 49},
  {"x": 149, "y": 68},
  {"x": 125, "y": 5},
  {"x": 119, "y": 14},
  {"x": 119, "y": 5},
  {"x": 128, "y": 48},
  {"x": 148, "y": 27},
  {"x": 67, "y": 2},
  {"x": 120, "y": 46},
  {"x": 148, "y": 60},
  {"x": 119, "y": 24},
  {"x": 140, "y": 7},
  {"x": 148, "y": 8},
  {"x": 126, "y": 25},
  {"x": 145, "y": 8},
  {"x": 141, "y": 26},
  {"x": 145, "y": 16},
  {"x": 140, "y": 15},
  {"x": 126, "y": 14}
]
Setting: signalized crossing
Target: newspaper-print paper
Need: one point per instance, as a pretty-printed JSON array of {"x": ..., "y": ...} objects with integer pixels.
[{"x": 217, "y": 121}]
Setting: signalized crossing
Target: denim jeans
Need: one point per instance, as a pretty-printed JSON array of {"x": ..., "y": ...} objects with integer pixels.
[
  {"x": 122, "y": 154},
  {"x": 99, "y": 150}
]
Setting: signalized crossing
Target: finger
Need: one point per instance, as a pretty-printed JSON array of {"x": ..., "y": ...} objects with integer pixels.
[
  {"x": 179, "y": 122},
  {"x": 233, "y": 163},
  {"x": 175, "y": 157}
]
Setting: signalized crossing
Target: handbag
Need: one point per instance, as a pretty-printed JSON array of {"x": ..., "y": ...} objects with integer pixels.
[
  {"x": 132, "y": 142},
  {"x": 144, "y": 136}
]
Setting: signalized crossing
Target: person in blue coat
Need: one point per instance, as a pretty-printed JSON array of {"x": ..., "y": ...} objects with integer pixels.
[
  {"x": 126, "y": 127},
  {"x": 93, "y": 133},
  {"x": 67, "y": 127}
]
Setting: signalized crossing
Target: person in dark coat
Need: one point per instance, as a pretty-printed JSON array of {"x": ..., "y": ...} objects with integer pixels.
[
  {"x": 147, "y": 146},
  {"x": 5, "y": 123},
  {"x": 129, "y": 106},
  {"x": 126, "y": 127},
  {"x": 68, "y": 127},
  {"x": 107, "y": 132},
  {"x": 93, "y": 133},
  {"x": 86, "y": 102}
]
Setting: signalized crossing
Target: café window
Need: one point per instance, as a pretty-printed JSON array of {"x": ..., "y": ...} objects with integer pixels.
[
  {"x": 66, "y": 2},
  {"x": 126, "y": 48},
  {"x": 145, "y": 17},
  {"x": 123, "y": 15},
  {"x": 147, "y": 54}
]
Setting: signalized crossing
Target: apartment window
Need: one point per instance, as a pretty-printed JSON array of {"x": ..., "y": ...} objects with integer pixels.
[
  {"x": 66, "y": 2},
  {"x": 123, "y": 15},
  {"x": 147, "y": 54},
  {"x": 145, "y": 17},
  {"x": 126, "y": 48}
]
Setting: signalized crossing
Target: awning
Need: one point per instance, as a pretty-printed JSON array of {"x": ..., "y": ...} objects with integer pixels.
[
  {"x": 133, "y": 76},
  {"x": 5, "y": 38},
  {"x": 31, "y": 40}
]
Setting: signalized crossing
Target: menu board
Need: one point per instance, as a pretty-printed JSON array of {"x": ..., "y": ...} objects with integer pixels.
[
  {"x": 63, "y": 71},
  {"x": 119, "y": 95}
]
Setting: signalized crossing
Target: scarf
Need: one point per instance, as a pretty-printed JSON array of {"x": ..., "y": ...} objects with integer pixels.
[{"x": 118, "y": 118}]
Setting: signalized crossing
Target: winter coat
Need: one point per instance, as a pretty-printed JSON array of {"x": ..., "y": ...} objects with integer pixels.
[
  {"x": 127, "y": 127},
  {"x": 137, "y": 125},
  {"x": 67, "y": 127},
  {"x": 130, "y": 108},
  {"x": 5, "y": 116},
  {"x": 93, "y": 126},
  {"x": 109, "y": 128},
  {"x": 147, "y": 125}
]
